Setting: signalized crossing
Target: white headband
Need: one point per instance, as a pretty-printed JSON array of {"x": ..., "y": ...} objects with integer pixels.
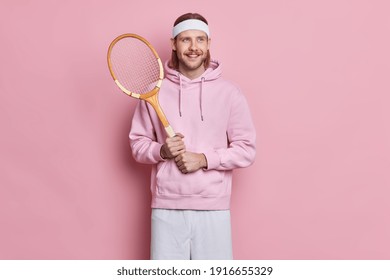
[{"x": 190, "y": 24}]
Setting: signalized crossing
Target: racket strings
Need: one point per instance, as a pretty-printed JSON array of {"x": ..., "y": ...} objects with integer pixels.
[{"x": 135, "y": 66}]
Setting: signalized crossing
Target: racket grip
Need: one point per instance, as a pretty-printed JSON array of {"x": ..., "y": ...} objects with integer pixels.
[{"x": 169, "y": 131}]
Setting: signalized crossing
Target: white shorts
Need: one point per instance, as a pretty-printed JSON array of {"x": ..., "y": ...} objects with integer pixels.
[{"x": 191, "y": 235}]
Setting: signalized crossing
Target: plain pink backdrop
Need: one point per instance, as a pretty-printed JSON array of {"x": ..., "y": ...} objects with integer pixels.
[{"x": 316, "y": 75}]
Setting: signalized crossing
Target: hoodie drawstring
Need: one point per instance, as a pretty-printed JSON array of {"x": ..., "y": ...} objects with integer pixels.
[
  {"x": 180, "y": 90},
  {"x": 200, "y": 99}
]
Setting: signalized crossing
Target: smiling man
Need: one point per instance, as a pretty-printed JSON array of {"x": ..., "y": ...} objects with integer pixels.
[
  {"x": 192, "y": 48},
  {"x": 191, "y": 178}
]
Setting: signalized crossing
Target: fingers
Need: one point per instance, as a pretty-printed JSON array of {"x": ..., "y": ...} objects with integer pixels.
[
  {"x": 180, "y": 163},
  {"x": 177, "y": 138},
  {"x": 189, "y": 162},
  {"x": 183, "y": 168},
  {"x": 174, "y": 146}
]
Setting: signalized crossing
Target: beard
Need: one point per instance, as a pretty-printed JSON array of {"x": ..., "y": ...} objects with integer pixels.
[{"x": 191, "y": 64}]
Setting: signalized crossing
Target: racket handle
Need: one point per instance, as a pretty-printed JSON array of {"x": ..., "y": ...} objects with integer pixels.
[
  {"x": 153, "y": 100},
  {"x": 169, "y": 131}
]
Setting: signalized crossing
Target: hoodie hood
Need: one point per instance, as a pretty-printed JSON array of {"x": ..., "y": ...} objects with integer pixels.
[{"x": 212, "y": 73}]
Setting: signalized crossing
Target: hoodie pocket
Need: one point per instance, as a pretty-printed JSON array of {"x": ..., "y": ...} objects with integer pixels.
[{"x": 170, "y": 181}]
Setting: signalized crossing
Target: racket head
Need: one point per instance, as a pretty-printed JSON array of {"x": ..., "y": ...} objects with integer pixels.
[{"x": 135, "y": 66}]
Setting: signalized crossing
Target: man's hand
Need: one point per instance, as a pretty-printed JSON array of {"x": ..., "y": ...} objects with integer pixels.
[
  {"x": 188, "y": 162},
  {"x": 173, "y": 147}
]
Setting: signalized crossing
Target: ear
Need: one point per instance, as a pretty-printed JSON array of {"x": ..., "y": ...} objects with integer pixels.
[
  {"x": 208, "y": 43},
  {"x": 173, "y": 44}
]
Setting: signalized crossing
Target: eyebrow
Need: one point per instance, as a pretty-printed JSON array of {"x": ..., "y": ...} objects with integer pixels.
[{"x": 197, "y": 37}]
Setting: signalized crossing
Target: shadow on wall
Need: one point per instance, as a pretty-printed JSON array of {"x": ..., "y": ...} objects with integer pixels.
[{"x": 138, "y": 188}]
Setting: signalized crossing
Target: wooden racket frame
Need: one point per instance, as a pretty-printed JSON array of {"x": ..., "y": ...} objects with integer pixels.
[{"x": 152, "y": 96}]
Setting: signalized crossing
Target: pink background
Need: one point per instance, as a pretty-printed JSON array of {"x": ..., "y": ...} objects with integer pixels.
[{"x": 316, "y": 75}]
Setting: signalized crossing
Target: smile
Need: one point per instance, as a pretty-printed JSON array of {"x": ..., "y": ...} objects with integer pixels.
[{"x": 193, "y": 55}]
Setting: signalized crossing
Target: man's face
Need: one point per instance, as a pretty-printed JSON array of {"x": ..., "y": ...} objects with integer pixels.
[{"x": 191, "y": 47}]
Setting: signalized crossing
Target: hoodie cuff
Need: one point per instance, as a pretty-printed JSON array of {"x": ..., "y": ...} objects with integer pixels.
[
  {"x": 155, "y": 152},
  {"x": 213, "y": 160}
]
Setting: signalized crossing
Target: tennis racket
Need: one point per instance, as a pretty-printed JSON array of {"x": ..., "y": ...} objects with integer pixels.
[{"x": 137, "y": 70}]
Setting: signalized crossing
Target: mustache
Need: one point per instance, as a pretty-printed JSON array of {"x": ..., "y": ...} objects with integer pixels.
[{"x": 197, "y": 52}]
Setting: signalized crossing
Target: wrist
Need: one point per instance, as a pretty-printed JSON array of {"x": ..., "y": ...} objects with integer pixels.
[
  {"x": 204, "y": 161},
  {"x": 162, "y": 153}
]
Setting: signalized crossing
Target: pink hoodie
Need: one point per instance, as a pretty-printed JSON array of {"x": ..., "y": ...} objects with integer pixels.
[{"x": 215, "y": 120}]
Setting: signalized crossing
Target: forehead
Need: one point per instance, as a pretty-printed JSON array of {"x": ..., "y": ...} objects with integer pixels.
[{"x": 192, "y": 33}]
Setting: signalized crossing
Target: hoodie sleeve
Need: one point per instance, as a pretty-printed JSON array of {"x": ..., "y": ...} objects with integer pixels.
[
  {"x": 143, "y": 143},
  {"x": 241, "y": 136}
]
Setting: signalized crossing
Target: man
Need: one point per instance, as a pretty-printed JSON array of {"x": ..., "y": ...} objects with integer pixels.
[{"x": 192, "y": 172}]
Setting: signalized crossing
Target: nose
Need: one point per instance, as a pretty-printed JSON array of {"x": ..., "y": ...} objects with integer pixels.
[{"x": 193, "y": 45}]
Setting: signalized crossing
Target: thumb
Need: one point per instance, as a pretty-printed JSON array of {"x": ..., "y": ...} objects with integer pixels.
[{"x": 179, "y": 135}]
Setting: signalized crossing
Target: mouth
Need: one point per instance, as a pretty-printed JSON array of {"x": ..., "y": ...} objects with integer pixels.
[{"x": 193, "y": 55}]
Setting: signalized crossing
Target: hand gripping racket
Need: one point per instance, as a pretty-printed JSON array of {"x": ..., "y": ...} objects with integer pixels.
[{"x": 137, "y": 70}]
